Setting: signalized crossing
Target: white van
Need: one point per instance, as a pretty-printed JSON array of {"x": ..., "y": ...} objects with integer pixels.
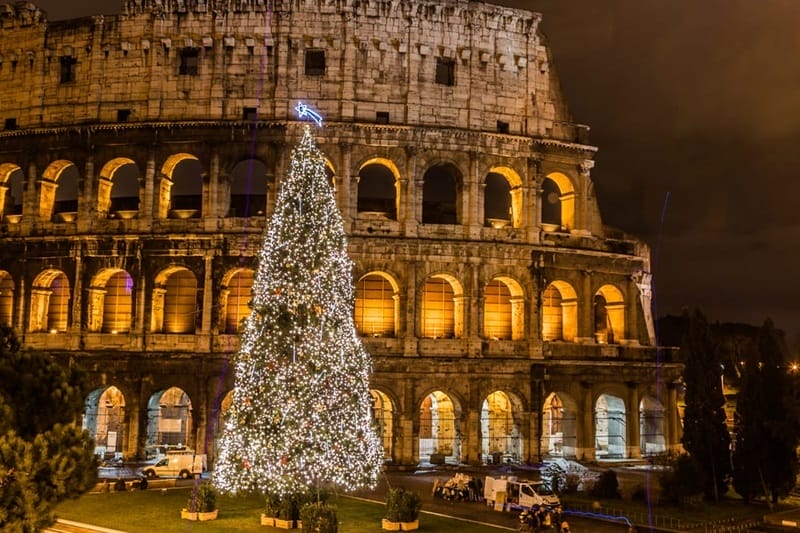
[
  {"x": 510, "y": 494},
  {"x": 177, "y": 464}
]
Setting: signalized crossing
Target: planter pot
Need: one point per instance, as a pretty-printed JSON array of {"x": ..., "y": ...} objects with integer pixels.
[
  {"x": 187, "y": 515},
  {"x": 210, "y": 515},
  {"x": 388, "y": 525},
  {"x": 409, "y": 526},
  {"x": 267, "y": 520},
  {"x": 284, "y": 524}
]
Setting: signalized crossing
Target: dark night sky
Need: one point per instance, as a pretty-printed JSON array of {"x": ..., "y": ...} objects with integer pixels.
[{"x": 697, "y": 102}]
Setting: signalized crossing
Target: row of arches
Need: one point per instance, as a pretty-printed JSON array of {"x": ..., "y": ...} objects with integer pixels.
[
  {"x": 182, "y": 190},
  {"x": 175, "y": 305},
  {"x": 440, "y": 419}
]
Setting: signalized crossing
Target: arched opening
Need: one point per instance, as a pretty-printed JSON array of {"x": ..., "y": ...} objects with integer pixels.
[
  {"x": 6, "y": 299},
  {"x": 376, "y": 308},
  {"x": 438, "y": 436},
  {"x": 125, "y": 191},
  {"x": 440, "y": 189},
  {"x": 50, "y": 296},
  {"x": 558, "y": 203},
  {"x": 609, "y": 434},
  {"x": 503, "y": 310},
  {"x": 181, "y": 187},
  {"x": 175, "y": 306},
  {"x": 442, "y": 308},
  {"x": 169, "y": 418},
  {"x": 496, "y": 201},
  {"x": 559, "y": 417},
  {"x": 559, "y": 312},
  {"x": 377, "y": 191},
  {"x": 500, "y": 434},
  {"x": 104, "y": 419},
  {"x": 383, "y": 417},
  {"x": 65, "y": 199},
  {"x": 11, "y": 181},
  {"x": 110, "y": 307},
  {"x": 248, "y": 189},
  {"x": 609, "y": 315},
  {"x": 236, "y": 294},
  {"x": 651, "y": 427}
]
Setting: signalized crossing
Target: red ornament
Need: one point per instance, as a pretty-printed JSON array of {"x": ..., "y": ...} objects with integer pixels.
[
  {"x": 284, "y": 460},
  {"x": 246, "y": 464}
]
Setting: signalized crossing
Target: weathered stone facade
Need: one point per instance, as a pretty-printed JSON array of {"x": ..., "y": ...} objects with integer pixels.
[{"x": 438, "y": 96}]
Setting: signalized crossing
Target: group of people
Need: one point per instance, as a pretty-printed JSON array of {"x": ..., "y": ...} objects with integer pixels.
[
  {"x": 543, "y": 518},
  {"x": 459, "y": 488}
]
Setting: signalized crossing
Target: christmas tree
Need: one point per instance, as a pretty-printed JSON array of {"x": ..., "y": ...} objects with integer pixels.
[{"x": 300, "y": 416}]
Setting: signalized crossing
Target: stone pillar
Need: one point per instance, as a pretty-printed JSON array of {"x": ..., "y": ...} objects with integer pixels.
[
  {"x": 413, "y": 195},
  {"x": 208, "y": 292},
  {"x": 673, "y": 436},
  {"x": 585, "y": 447},
  {"x": 211, "y": 189},
  {"x": 583, "y": 224},
  {"x": 348, "y": 183},
  {"x": 130, "y": 448},
  {"x": 586, "y": 310},
  {"x": 77, "y": 296},
  {"x": 632, "y": 430},
  {"x": 631, "y": 314},
  {"x": 147, "y": 203},
  {"x": 471, "y": 437},
  {"x": 409, "y": 326}
]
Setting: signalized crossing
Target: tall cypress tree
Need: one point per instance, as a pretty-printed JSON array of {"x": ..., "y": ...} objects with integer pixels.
[
  {"x": 764, "y": 457},
  {"x": 300, "y": 415},
  {"x": 705, "y": 434}
]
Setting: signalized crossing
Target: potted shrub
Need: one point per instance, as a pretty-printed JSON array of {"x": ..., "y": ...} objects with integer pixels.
[
  {"x": 202, "y": 503},
  {"x": 271, "y": 510},
  {"x": 318, "y": 517},
  {"x": 410, "y": 506},
  {"x": 391, "y": 517}
]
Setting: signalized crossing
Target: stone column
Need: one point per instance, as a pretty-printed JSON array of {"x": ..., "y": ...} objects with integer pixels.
[
  {"x": 147, "y": 203},
  {"x": 673, "y": 437},
  {"x": 412, "y": 209},
  {"x": 585, "y": 448},
  {"x": 633, "y": 436},
  {"x": 77, "y": 297},
  {"x": 631, "y": 314},
  {"x": 586, "y": 310},
  {"x": 208, "y": 292}
]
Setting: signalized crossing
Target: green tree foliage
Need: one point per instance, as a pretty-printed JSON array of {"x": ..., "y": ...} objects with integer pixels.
[
  {"x": 766, "y": 423},
  {"x": 684, "y": 479},
  {"x": 44, "y": 458},
  {"x": 705, "y": 435}
]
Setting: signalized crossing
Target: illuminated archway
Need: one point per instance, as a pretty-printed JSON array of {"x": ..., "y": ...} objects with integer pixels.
[
  {"x": 503, "y": 310},
  {"x": 11, "y": 179},
  {"x": 169, "y": 418},
  {"x": 181, "y": 187},
  {"x": 651, "y": 427},
  {"x": 104, "y": 419},
  {"x": 503, "y": 198},
  {"x": 235, "y": 296},
  {"x": 558, "y": 202},
  {"x": 559, "y": 312},
  {"x": 118, "y": 189},
  {"x": 58, "y": 192},
  {"x": 377, "y": 305},
  {"x": 50, "y": 297},
  {"x": 559, "y": 415},
  {"x": 383, "y": 417},
  {"x": 6, "y": 299},
  {"x": 609, "y": 434},
  {"x": 174, "y": 303},
  {"x": 439, "y": 439},
  {"x": 500, "y": 432},
  {"x": 609, "y": 315},
  {"x": 442, "y": 308},
  {"x": 378, "y": 188},
  {"x": 440, "y": 194},
  {"x": 110, "y": 307}
]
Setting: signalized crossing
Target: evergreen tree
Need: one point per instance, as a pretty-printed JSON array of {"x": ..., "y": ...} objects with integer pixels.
[
  {"x": 764, "y": 457},
  {"x": 44, "y": 458},
  {"x": 705, "y": 434},
  {"x": 300, "y": 416}
]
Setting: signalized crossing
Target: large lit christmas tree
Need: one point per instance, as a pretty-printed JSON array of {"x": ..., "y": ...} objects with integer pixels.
[{"x": 300, "y": 416}]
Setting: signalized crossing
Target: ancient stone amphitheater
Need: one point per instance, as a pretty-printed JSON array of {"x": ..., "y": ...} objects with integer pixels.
[{"x": 140, "y": 156}]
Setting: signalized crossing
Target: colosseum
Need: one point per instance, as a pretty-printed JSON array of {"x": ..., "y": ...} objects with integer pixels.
[{"x": 140, "y": 157}]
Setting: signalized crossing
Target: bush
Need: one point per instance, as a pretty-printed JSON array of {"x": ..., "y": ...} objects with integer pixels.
[
  {"x": 393, "y": 497},
  {"x": 684, "y": 480},
  {"x": 319, "y": 517},
  {"x": 607, "y": 486},
  {"x": 402, "y": 505},
  {"x": 202, "y": 500}
]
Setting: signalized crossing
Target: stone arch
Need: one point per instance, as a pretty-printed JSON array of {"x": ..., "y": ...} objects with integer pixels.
[
  {"x": 442, "y": 307},
  {"x": 235, "y": 296},
  {"x": 383, "y": 415},
  {"x": 651, "y": 426},
  {"x": 249, "y": 188},
  {"x": 502, "y": 197},
  {"x": 439, "y": 428},
  {"x": 503, "y": 309},
  {"x": 609, "y": 315},
  {"x": 175, "y": 307},
  {"x": 378, "y": 188},
  {"x": 559, "y": 312},
  {"x": 377, "y": 305},
  {"x": 6, "y": 299},
  {"x": 110, "y": 306},
  {"x": 181, "y": 187},
  {"x": 501, "y": 440},
  {"x": 169, "y": 418},
  {"x": 104, "y": 419},
  {"x": 558, "y": 202},
  {"x": 559, "y": 425},
  {"x": 442, "y": 185},
  {"x": 58, "y": 192},
  {"x": 50, "y": 298},
  {"x": 609, "y": 433},
  {"x": 11, "y": 180},
  {"x": 118, "y": 189}
]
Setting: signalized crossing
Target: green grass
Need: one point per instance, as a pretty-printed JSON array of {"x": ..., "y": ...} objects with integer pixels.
[{"x": 156, "y": 510}]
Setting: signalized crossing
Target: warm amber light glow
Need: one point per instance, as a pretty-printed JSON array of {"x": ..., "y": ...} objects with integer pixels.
[
  {"x": 375, "y": 306},
  {"x": 438, "y": 309}
]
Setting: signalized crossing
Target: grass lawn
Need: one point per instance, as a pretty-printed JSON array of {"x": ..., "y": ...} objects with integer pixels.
[{"x": 146, "y": 511}]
